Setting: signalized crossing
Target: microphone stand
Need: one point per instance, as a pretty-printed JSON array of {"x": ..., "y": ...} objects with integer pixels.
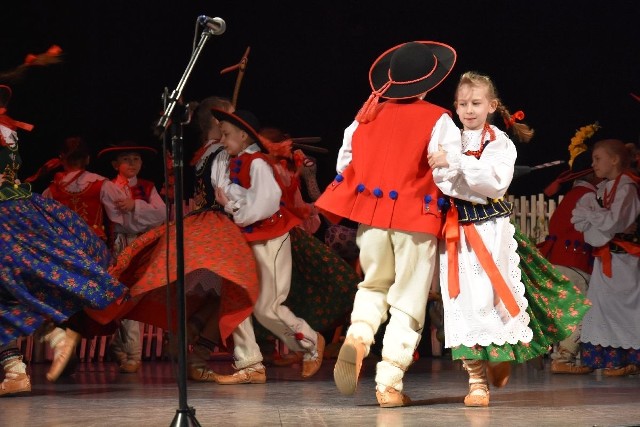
[{"x": 185, "y": 415}]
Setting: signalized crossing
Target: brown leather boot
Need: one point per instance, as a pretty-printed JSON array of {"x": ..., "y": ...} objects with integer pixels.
[
  {"x": 15, "y": 384},
  {"x": 63, "y": 345},
  {"x": 347, "y": 368},
  {"x": 478, "y": 395}
]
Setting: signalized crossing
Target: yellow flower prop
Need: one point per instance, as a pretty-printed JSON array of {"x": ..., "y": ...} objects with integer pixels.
[{"x": 578, "y": 145}]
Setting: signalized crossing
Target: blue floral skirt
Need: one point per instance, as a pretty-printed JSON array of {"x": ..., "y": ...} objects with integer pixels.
[{"x": 52, "y": 266}]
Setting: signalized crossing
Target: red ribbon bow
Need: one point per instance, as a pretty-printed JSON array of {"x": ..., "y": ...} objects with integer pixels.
[{"x": 518, "y": 115}]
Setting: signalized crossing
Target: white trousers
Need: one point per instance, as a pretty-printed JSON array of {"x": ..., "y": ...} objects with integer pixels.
[
  {"x": 273, "y": 258},
  {"x": 126, "y": 343},
  {"x": 398, "y": 269}
]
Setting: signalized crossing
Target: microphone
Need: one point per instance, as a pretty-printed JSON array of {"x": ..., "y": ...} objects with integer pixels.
[{"x": 216, "y": 25}]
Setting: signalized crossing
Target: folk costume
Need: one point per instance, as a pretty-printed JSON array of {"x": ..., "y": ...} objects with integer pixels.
[
  {"x": 566, "y": 248},
  {"x": 124, "y": 227},
  {"x": 471, "y": 314},
  {"x": 323, "y": 284},
  {"x": 385, "y": 184},
  {"x": 502, "y": 299},
  {"x": 255, "y": 205},
  {"x": 53, "y": 265},
  {"x": 610, "y": 334},
  {"x": 81, "y": 191},
  {"x": 220, "y": 273}
]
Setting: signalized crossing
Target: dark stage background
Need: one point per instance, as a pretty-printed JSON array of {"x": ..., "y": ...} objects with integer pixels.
[{"x": 565, "y": 64}]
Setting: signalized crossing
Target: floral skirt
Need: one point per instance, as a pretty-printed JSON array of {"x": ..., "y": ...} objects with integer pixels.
[
  {"x": 53, "y": 266},
  {"x": 599, "y": 357},
  {"x": 556, "y": 307},
  {"x": 217, "y": 259}
]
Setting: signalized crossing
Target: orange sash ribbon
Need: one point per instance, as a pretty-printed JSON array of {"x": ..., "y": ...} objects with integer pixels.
[
  {"x": 604, "y": 252},
  {"x": 452, "y": 237}
]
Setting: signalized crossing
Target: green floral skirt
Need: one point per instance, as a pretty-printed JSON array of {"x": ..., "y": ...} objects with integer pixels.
[{"x": 556, "y": 307}]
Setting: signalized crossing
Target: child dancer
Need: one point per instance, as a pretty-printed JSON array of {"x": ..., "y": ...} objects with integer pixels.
[
  {"x": 248, "y": 190},
  {"x": 53, "y": 265},
  {"x": 133, "y": 206},
  {"x": 386, "y": 185},
  {"x": 75, "y": 187},
  {"x": 610, "y": 334},
  {"x": 488, "y": 320},
  {"x": 565, "y": 247},
  {"x": 221, "y": 283}
]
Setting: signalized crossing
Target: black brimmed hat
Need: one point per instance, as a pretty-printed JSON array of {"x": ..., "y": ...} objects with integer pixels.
[
  {"x": 242, "y": 119},
  {"x": 113, "y": 150},
  {"x": 406, "y": 71},
  {"x": 410, "y": 69}
]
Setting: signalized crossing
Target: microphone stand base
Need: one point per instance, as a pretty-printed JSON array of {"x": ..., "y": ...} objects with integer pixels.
[{"x": 185, "y": 418}]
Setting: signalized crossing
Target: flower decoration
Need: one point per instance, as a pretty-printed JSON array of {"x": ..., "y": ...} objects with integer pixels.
[{"x": 577, "y": 144}]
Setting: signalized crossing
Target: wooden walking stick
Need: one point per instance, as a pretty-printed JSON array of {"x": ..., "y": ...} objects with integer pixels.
[{"x": 241, "y": 67}]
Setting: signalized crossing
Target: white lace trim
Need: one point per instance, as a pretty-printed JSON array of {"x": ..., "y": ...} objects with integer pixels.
[{"x": 472, "y": 318}]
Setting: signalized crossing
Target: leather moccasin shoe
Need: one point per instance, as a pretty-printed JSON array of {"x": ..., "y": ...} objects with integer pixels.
[
  {"x": 569, "y": 368},
  {"x": 478, "y": 396},
  {"x": 202, "y": 374},
  {"x": 15, "y": 384},
  {"x": 130, "y": 366},
  {"x": 311, "y": 365},
  {"x": 498, "y": 373},
  {"x": 348, "y": 366},
  {"x": 621, "y": 372},
  {"x": 63, "y": 353},
  {"x": 250, "y": 375},
  {"x": 392, "y": 398}
]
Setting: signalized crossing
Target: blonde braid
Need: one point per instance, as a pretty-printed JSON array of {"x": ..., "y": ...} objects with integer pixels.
[{"x": 520, "y": 130}]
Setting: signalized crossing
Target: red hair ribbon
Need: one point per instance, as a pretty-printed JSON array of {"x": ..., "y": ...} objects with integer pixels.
[
  {"x": 518, "y": 115},
  {"x": 45, "y": 58}
]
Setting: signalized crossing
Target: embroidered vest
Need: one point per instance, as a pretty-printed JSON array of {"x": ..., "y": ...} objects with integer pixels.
[
  {"x": 203, "y": 193},
  {"x": 142, "y": 190},
  {"x": 279, "y": 222},
  {"x": 9, "y": 165},
  {"x": 86, "y": 203},
  {"x": 565, "y": 245}
]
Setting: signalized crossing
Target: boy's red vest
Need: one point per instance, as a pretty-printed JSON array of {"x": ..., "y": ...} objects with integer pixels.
[
  {"x": 277, "y": 224},
  {"x": 565, "y": 245},
  {"x": 389, "y": 183}
]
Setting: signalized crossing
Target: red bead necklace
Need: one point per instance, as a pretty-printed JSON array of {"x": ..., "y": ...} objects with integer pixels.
[
  {"x": 492, "y": 136},
  {"x": 607, "y": 198}
]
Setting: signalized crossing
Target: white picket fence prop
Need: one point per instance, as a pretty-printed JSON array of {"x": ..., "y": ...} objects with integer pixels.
[{"x": 532, "y": 214}]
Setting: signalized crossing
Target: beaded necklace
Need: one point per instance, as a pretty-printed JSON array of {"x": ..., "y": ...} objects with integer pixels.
[
  {"x": 607, "y": 197},
  {"x": 492, "y": 136}
]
